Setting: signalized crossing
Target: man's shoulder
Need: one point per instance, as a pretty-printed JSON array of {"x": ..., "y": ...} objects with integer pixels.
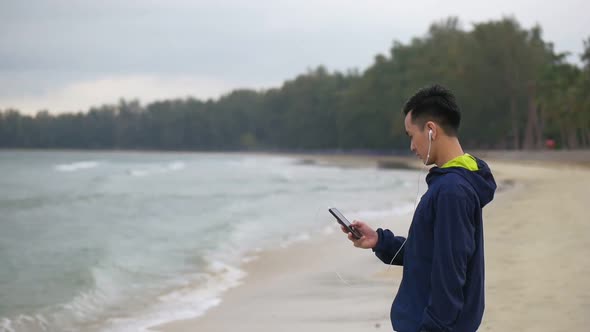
[{"x": 453, "y": 184}]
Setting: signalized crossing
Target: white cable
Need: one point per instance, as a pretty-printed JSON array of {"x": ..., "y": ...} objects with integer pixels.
[
  {"x": 415, "y": 205},
  {"x": 415, "y": 201},
  {"x": 341, "y": 279}
]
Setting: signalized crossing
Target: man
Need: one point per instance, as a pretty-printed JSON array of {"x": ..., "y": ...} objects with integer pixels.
[{"x": 442, "y": 288}]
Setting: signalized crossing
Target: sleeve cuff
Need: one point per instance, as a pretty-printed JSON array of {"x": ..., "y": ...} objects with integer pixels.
[{"x": 379, "y": 245}]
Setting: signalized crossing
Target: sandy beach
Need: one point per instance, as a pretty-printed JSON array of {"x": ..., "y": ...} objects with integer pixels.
[{"x": 537, "y": 242}]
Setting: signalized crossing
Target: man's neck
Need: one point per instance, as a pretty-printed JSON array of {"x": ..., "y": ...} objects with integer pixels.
[{"x": 448, "y": 151}]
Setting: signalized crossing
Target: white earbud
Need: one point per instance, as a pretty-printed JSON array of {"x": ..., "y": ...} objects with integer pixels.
[{"x": 429, "y": 146}]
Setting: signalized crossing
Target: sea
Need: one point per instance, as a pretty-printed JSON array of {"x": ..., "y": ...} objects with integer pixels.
[{"x": 124, "y": 240}]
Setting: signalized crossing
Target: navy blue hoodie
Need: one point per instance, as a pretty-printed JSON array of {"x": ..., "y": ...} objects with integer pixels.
[{"x": 443, "y": 259}]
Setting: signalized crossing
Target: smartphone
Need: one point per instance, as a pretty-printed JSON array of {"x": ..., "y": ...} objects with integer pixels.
[{"x": 344, "y": 222}]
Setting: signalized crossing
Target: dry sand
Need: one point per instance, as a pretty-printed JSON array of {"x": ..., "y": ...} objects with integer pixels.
[{"x": 537, "y": 234}]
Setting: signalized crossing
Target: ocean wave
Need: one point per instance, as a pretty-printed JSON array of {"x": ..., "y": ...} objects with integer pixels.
[
  {"x": 24, "y": 323},
  {"x": 175, "y": 166},
  {"x": 109, "y": 290},
  {"x": 397, "y": 210},
  {"x": 301, "y": 237},
  {"x": 36, "y": 322},
  {"x": 76, "y": 166},
  {"x": 99, "y": 308},
  {"x": 187, "y": 302},
  {"x": 157, "y": 169},
  {"x": 258, "y": 162},
  {"x": 330, "y": 229}
]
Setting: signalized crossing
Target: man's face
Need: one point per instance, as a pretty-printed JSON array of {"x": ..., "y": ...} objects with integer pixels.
[{"x": 418, "y": 138}]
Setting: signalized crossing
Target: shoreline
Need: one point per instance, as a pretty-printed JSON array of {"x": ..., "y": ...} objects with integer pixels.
[
  {"x": 305, "y": 292},
  {"x": 578, "y": 156}
]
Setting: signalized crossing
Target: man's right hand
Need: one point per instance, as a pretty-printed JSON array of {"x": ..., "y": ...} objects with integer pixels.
[{"x": 369, "y": 238}]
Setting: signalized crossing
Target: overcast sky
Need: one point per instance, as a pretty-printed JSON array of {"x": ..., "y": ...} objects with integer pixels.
[{"x": 69, "y": 55}]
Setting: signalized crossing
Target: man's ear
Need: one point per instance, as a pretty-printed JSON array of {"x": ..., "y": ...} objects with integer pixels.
[{"x": 432, "y": 130}]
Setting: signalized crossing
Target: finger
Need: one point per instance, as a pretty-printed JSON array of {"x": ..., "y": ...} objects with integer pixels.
[
  {"x": 358, "y": 224},
  {"x": 358, "y": 230},
  {"x": 344, "y": 229}
]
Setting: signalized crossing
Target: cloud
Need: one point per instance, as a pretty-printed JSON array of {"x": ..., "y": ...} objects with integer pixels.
[
  {"x": 80, "y": 96},
  {"x": 48, "y": 47}
]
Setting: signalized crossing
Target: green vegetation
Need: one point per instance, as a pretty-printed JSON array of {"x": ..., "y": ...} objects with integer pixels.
[{"x": 514, "y": 90}]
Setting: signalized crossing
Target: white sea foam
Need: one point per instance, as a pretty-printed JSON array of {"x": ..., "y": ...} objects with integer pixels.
[
  {"x": 157, "y": 169},
  {"x": 188, "y": 302},
  {"x": 300, "y": 237},
  {"x": 6, "y": 325},
  {"x": 329, "y": 229},
  {"x": 176, "y": 165},
  {"x": 72, "y": 167},
  {"x": 249, "y": 258},
  {"x": 24, "y": 323},
  {"x": 398, "y": 210}
]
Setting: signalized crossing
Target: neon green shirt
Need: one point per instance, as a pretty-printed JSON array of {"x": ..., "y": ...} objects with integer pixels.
[{"x": 466, "y": 161}]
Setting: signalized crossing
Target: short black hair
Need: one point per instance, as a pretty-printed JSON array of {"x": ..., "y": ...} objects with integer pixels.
[{"x": 435, "y": 103}]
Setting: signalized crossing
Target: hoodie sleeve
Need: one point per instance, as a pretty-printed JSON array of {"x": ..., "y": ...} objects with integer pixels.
[
  {"x": 454, "y": 244},
  {"x": 387, "y": 245}
]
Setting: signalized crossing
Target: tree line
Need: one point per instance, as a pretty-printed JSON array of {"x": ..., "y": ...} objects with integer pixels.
[{"x": 514, "y": 90}]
